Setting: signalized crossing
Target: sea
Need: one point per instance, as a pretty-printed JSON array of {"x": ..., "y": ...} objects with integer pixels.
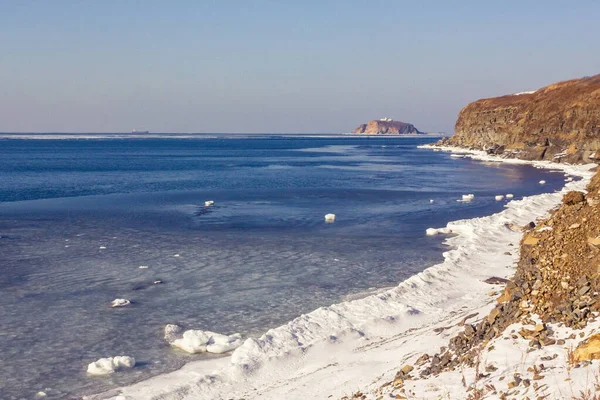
[{"x": 86, "y": 219}]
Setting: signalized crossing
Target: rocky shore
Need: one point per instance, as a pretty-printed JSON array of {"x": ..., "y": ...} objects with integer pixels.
[
  {"x": 548, "y": 313},
  {"x": 559, "y": 122}
]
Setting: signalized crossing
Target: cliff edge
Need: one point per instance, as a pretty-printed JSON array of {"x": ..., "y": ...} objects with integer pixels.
[
  {"x": 560, "y": 122},
  {"x": 387, "y": 127}
]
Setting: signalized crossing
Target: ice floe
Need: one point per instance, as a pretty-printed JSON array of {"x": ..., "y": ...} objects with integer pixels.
[
  {"x": 329, "y": 217},
  {"x": 105, "y": 366},
  {"x": 499, "y": 197},
  {"x": 510, "y": 196},
  {"x": 120, "y": 303},
  {"x": 542, "y": 182},
  {"x": 173, "y": 332},
  {"x": 209, "y": 203},
  {"x": 197, "y": 341},
  {"x": 437, "y": 231}
]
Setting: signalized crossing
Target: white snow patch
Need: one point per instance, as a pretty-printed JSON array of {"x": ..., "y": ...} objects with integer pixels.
[{"x": 529, "y": 92}]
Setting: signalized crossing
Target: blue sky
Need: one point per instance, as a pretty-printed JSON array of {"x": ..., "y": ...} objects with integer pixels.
[{"x": 278, "y": 66}]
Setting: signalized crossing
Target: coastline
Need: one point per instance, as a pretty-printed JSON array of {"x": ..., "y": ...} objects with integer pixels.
[{"x": 334, "y": 350}]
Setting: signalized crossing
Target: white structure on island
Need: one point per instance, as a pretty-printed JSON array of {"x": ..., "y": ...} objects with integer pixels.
[{"x": 385, "y": 119}]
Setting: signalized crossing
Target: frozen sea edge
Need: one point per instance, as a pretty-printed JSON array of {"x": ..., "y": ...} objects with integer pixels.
[{"x": 344, "y": 347}]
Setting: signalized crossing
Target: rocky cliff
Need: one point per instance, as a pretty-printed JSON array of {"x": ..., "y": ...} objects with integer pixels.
[
  {"x": 379, "y": 127},
  {"x": 560, "y": 122}
]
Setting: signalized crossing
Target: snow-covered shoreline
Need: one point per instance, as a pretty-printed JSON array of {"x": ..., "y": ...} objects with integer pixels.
[{"x": 353, "y": 345}]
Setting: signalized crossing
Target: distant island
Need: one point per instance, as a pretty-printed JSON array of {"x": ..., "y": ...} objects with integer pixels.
[{"x": 387, "y": 126}]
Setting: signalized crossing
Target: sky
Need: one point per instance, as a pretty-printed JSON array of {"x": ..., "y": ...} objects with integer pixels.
[{"x": 278, "y": 66}]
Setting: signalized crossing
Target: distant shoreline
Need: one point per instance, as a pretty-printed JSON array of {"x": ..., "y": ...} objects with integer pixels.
[{"x": 83, "y": 136}]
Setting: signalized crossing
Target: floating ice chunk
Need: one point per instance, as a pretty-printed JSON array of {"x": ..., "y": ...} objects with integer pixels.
[
  {"x": 431, "y": 201},
  {"x": 329, "y": 217},
  {"x": 120, "y": 303},
  {"x": 542, "y": 182},
  {"x": 510, "y": 196},
  {"x": 105, "y": 366},
  {"x": 499, "y": 197},
  {"x": 176, "y": 255},
  {"x": 466, "y": 198},
  {"x": 173, "y": 332},
  {"x": 193, "y": 341},
  {"x": 102, "y": 247},
  {"x": 436, "y": 231},
  {"x": 457, "y": 156},
  {"x": 143, "y": 267},
  {"x": 157, "y": 282},
  {"x": 209, "y": 203},
  {"x": 41, "y": 395},
  {"x": 197, "y": 341}
]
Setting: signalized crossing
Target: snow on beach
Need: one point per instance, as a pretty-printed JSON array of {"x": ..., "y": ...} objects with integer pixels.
[{"x": 359, "y": 345}]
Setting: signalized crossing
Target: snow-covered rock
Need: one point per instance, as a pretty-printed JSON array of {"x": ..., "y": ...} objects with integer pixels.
[{"x": 105, "y": 366}]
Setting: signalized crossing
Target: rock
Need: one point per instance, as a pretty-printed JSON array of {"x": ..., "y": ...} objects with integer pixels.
[
  {"x": 530, "y": 240},
  {"x": 423, "y": 359},
  {"x": 573, "y": 197},
  {"x": 494, "y": 280},
  {"x": 594, "y": 241},
  {"x": 387, "y": 127},
  {"x": 493, "y": 315},
  {"x": 407, "y": 369},
  {"x": 540, "y": 125},
  {"x": 398, "y": 382},
  {"x": 589, "y": 349}
]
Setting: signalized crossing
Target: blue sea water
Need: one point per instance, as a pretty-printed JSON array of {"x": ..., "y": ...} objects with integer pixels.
[{"x": 78, "y": 218}]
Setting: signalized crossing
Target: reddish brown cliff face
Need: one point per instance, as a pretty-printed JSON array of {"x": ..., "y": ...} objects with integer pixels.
[
  {"x": 560, "y": 122},
  {"x": 387, "y": 128}
]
